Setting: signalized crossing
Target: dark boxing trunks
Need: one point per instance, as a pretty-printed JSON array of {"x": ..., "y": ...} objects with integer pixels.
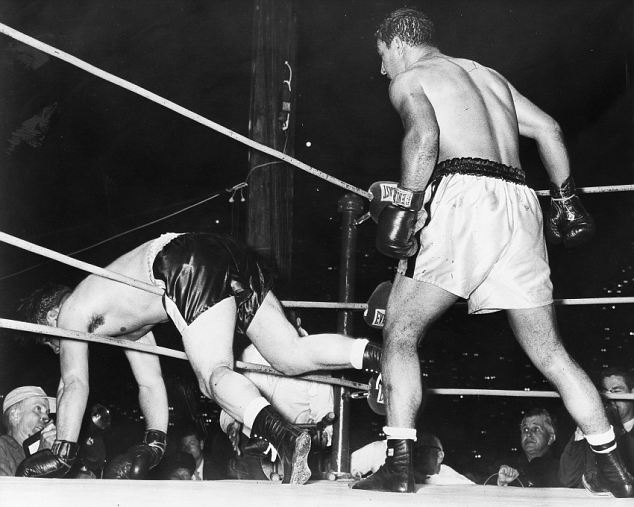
[{"x": 200, "y": 270}]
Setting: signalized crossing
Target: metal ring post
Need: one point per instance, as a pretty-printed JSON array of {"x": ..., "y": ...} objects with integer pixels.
[{"x": 350, "y": 206}]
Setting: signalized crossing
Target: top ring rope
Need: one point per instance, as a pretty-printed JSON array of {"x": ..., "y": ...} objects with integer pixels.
[
  {"x": 595, "y": 190},
  {"x": 30, "y": 41},
  {"x": 85, "y": 266}
]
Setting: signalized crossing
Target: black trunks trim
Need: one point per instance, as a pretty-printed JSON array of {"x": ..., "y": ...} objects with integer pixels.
[{"x": 479, "y": 167}]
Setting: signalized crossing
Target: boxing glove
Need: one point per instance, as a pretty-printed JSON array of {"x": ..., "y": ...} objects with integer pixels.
[
  {"x": 50, "y": 463},
  {"x": 374, "y": 315},
  {"x": 146, "y": 455},
  {"x": 568, "y": 222},
  {"x": 382, "y": 195},
  {"x": 395, "y": 231}
]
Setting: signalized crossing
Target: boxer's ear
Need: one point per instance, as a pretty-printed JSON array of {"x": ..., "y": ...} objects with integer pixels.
[{"x": 51, "y": 317}]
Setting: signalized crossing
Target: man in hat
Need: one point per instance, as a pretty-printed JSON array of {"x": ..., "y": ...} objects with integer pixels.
[{"x": 25, "y": 412}]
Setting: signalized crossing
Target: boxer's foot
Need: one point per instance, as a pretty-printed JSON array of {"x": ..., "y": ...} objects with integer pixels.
[
  {"x": 397, "y": 474},
  {"x": 292, "y": 444},
  {"x": 612, "y": 477}
]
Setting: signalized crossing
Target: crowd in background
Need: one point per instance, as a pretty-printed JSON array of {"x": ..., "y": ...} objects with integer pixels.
[{"x": 198, "y": 451}]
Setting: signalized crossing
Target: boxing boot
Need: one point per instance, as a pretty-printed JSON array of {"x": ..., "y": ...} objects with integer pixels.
[
  {"x": 397, "y": 474},
  {"x": 568, "y": 221},
  {"x": 372, "y": 358},
  {"x": 292, "y": 444},
  {"x": 611, "y": 476},
  {"x": 50, "y": 463}
]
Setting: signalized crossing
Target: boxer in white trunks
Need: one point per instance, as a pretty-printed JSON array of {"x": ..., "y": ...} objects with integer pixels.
[{"x": 464, "y": 225}]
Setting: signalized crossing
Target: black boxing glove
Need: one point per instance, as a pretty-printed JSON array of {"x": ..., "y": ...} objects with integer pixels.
[
  {"x": 50, "y": 463},
  {"x": 568, "y": 222},
  {"x": 146, "y": 455},
  {"x": 395, "y": 231}
]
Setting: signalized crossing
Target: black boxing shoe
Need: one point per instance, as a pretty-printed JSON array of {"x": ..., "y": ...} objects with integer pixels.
[
  {"x": 292, "y": 444},
  {"x": 372, "y": 358},
  {"x": 397, "y": 474},
  {"x": 611, "y": 476}
]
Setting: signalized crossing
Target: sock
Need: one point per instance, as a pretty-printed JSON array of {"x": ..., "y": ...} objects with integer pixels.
[
  {"x": 394, "y": 433},
  {"x": 602, "y": 443},
  {"x": 254, "y": 407},
  {"x": 356, "y": 352}
]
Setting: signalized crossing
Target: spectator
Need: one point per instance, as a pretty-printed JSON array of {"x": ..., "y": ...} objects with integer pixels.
[
  {"x": 536, "y": 466},
  {"x": 179, "y": 466},
  {"x": 578, "y": 464},
  {"x": 25, "y": 412},
  {"x": 190, "y": 441},
  {"x": 428, "y": 461}
]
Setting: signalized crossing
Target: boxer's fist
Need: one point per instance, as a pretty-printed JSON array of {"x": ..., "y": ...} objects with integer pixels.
[
  {"x": 146, "y": 455},
  {"x": 395, "y": 231},
  {"x": 567, "y": 220},
  {"x": 50, "y": 463}
]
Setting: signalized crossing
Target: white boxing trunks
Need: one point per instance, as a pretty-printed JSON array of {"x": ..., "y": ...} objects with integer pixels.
[{"x": 481, "y": 238}]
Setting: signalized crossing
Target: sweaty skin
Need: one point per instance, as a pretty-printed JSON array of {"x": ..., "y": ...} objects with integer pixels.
[{"x": 454, "y": 107}]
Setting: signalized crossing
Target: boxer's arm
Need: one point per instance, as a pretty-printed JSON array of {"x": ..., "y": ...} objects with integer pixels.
[
  {"x": 419, "y": 147},
  {"x": 72, "y": 393},
  {"x": 540, "y": 126},
  {"x": 152, "y": 393}
]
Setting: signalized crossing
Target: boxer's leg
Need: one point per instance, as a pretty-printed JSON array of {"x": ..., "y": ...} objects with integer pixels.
[
  {"x": 208, "y": 343},
  {"x": 537, "y": 333},
  {"x": 280, "y": 344},
  {"x": 412, "y": 307}
]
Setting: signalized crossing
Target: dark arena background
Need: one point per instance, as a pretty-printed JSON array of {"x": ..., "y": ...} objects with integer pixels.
[{"x": 91, "y": 170}]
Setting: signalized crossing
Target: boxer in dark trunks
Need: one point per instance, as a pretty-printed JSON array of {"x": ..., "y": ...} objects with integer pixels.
[{"x": 214, "y": 288}]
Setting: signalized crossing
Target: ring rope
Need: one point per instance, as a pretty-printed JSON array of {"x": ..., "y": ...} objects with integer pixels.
[
  {"x": 363, "y": 306},
  {"x": 595, "y": 190},
  {"x": 176, "y": 108},
  {"x": 163, "y": 351},
  {"x": 85, "y": 266},
  {"x": 111, "y": 275},
  {"x": 545, "y": 193},
  {"x": 260, "y": 368}
]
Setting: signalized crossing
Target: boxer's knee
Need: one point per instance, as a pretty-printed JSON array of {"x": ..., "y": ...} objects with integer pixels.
[
  {"x": 211, "y": 384},
  {"x": 290, "y": 364}
]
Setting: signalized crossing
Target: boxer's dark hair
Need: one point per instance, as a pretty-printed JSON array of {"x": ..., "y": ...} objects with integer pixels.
[
  {"x": 36, "y": 305},
  {"x": 410, "y": 25},
  {"x": 628, "y": 375}
]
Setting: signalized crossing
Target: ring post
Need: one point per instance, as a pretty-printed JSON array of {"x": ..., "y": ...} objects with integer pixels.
[{"x": 350, "y": 206}]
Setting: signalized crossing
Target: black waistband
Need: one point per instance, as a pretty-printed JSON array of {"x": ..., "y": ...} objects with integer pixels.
[{"x": 479, "y": 167}]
